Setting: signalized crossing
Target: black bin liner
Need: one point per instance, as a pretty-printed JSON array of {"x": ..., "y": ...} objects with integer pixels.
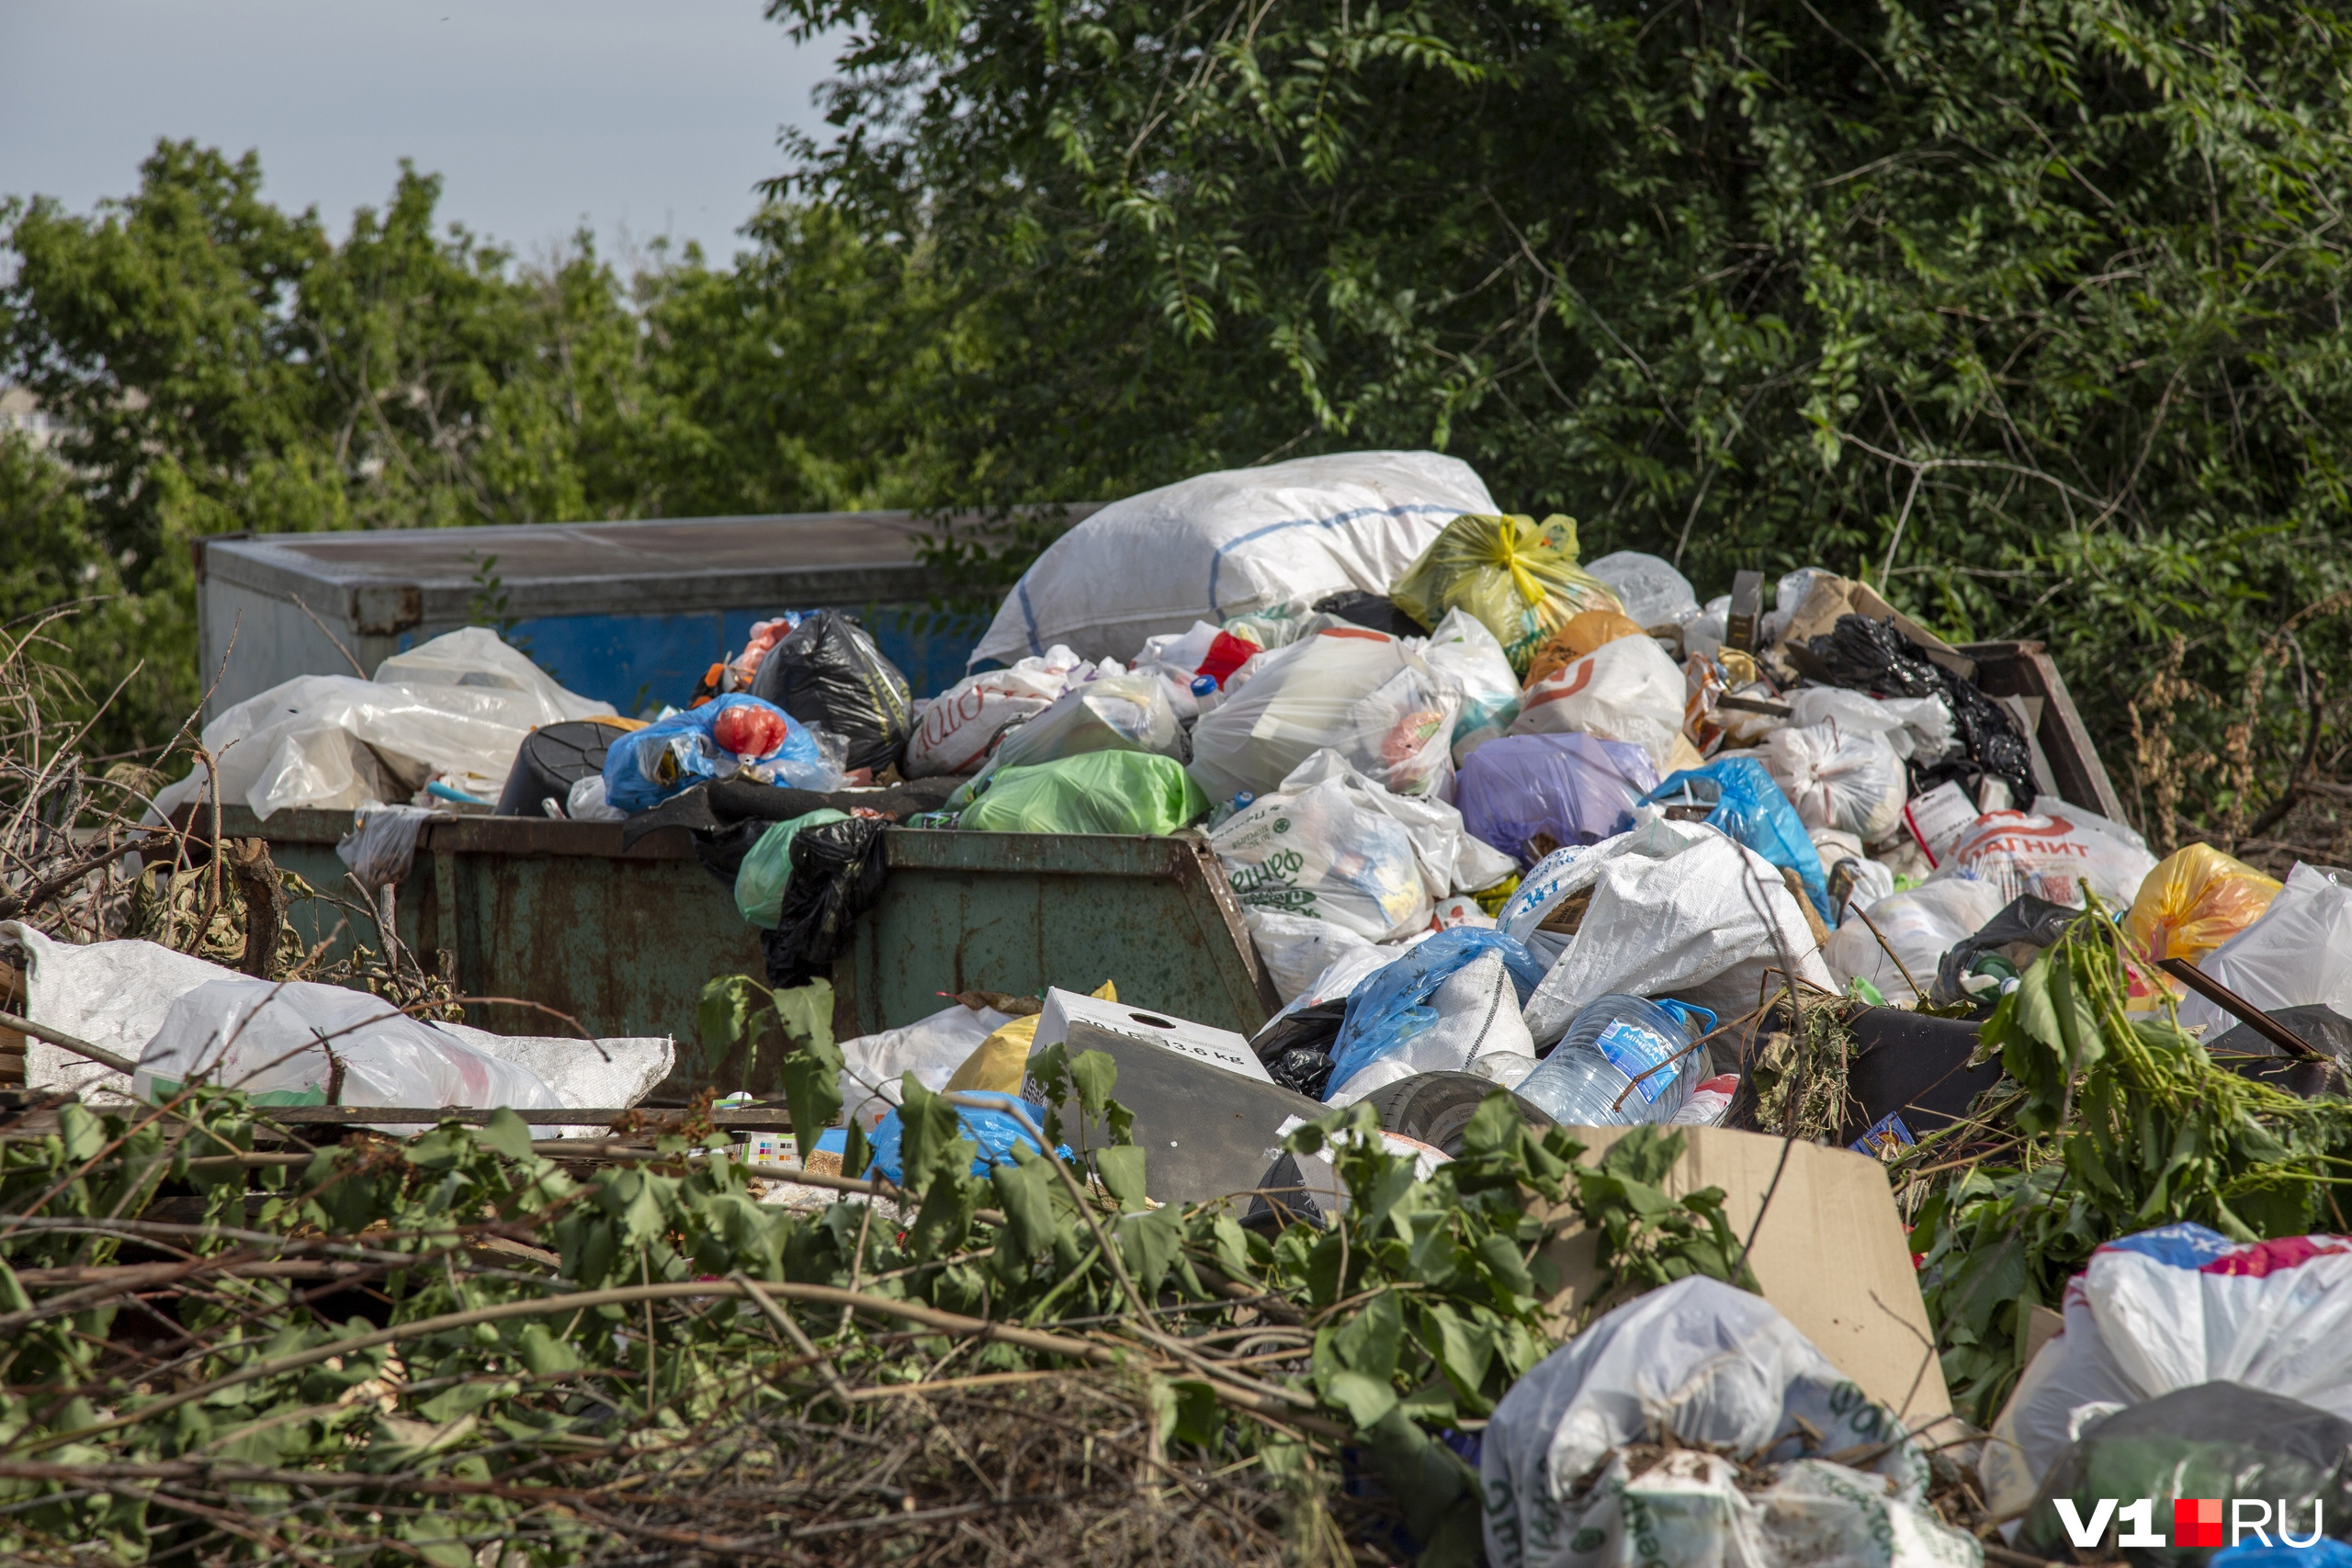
[
  {"x": 836, "y": 876},
  {"x": 829, "y": 673}
]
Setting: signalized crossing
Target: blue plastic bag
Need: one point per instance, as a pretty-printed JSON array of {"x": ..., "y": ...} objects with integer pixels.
[
  {"x": 996, "y": 1131},
  {"x": 648, "y": 766},
  {"x": 1392, "y": 1006},
  {"x": 1577, "y": 788},
  {"x": 1750, "y": 808}
]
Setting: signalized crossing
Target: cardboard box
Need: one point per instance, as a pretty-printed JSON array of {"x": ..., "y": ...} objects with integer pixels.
[
  {"x": 1083, "y": 1024},
  {"x": 1831, "y": 1254}
]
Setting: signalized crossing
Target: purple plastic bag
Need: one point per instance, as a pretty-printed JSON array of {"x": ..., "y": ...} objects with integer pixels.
[{"x": 1577, "y": 788}]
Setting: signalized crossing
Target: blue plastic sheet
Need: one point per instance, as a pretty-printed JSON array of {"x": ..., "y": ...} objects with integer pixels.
[
  {"x": 1750, "y": 808},
  {"x": 1576, "y": 788},
  {"x": 1392, "y": 1006},
  {"x": 994, "y": 1130},
  {"x": 648, "y": 766}
]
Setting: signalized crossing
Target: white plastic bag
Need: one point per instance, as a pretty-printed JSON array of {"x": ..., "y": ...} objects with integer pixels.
[
  {"x": 1678, "y": 909},
  {"x": 1325, "y": 850},
  {"x": 111, "y": 994},
  {"x": 1721, "y": 1369},
  {"x": 1627, "y": 690},
  {"x": 298, "y": 1044},
  {"x": 2298, "y": 954},
  {"x": 1846, "y": 779},
  {"x": 1463, "y": 651},
  {"x": 1478, "y": 1030},
  {"x": 1298, "y": 949},
  {"x": 1921, "y": 926},
  {"x": 874, "y": 1066},
  {"x": 2169, "y": 1309},
  {"x": 381, "y": 844},
  {"x": 1914, "y": 726},
  {"x": 1653, "y": 591},
  {"x": 1364, "y": 694},
  {"x": 954, "y": 730},
  {"x": 1115, "y": 712},
  {"x": 1222, "y": 545},
  {"x": 2054, "y": 851}
]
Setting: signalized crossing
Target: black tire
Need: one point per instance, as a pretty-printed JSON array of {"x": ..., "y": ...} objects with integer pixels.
[{"x": 1436, "y": 1107}]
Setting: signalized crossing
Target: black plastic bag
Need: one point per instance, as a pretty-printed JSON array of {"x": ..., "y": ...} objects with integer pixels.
[
  {"x": 836, "y": 876},
  {"x": 1375, "y": 612},
  {"x": 1864, "y": 655},
  {"x": 2218, "y": 1440},
  {"x": 1296, "y": 1049},
  {"x": 828, "y": 673},
  {"x": 2033, "y": 920}
]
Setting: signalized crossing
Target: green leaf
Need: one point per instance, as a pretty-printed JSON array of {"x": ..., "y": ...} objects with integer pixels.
[
  {"x": 812, "y": 1064},
  {"x": 1149, "y": 1242},
  {"x": 507, "y": 1134},
  {"x": 724, "y": 1015},
  {"x": 1121, "y": 1169},
  {"x": 1024, "y": 1191},
  {"x": 1373, "y": 1337},
  {"x": 1365, "y": 1399},
  {"x": 1094, "y": 1074},
  {"x": 1187, "y": 1412}
]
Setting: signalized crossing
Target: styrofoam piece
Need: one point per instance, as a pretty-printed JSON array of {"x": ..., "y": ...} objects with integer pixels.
[{"x": 1078, "y": 1024}]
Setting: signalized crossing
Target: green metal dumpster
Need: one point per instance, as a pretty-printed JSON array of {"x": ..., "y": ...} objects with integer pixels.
[{"x": 557, "y": 914}]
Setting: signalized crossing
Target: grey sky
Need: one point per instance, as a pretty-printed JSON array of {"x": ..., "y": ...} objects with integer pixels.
[{"x": 641, "y": 118}]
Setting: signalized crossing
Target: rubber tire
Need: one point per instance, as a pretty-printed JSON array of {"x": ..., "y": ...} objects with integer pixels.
[{"x": 1435, "y": 1108}]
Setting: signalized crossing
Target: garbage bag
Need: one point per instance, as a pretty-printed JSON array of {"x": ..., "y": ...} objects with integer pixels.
[
  {"x": 766, "y": 870},
  {"x": 1653, "y": 593},
  {"x": 2297, "y": 953},
  {"x": 874, "y": 1066},
  {"x": 1370, "y": 698},
  {"x": 995, "y": 1132},
  {"x": 1295, "y": 1047},
  {"x": 2017, "y": 934},
  {"x": 1221, "y": 546},
  {"x": 837, "y": 874},
  {"x": 1573, "y": 789},
  {"x": 1111, "y": 713},
  {"x": 2195, "y": 900},
  {"x": 2174, "y": 1308},
  {"x": 2057, "y": 850},
  {"x": 381, "y": 845},
  {"x": 305, "y": 1043},
  {"x": 1325, "y": 847},
  {"x": 1411, "y": 1017},
  {"x": 2218, "y": 1440},
  {"x": 1464, "y": 652},
  {"x": 1518, "y": 578},
  {"x": 1872, "y": 655},
  {"x": 1627, "y": 690},
  {"x": 1375, "y": 612},
  {"x": 647, "y": 766},
  {"x": 1581, "y": 634},
  {"x": 1914, "y": 726},
  {"x": 1095, "y": 792},
  {"x": 1677, "y": 908},
  {"x": 1839, "y": 778},
  {"x": 1750, "y": 807},
  {"x": 827, "y": 672},
  {"x": 1721, "y": 1369},
  {"x": 954, "y": 730},
  {"x": 1921, "y": 926},
  {"x": 1297, "y": 949}
]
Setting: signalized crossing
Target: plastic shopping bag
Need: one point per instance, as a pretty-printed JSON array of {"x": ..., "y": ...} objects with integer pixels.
[
  {"x": 645, "y": 767},
  {"x": 1095, "y": 792},
  {"x": 2298, "y": 954},
  {"x": 767, "y": 867},
  {"x": 1463, "y": 651},
  {"x": 1325, "y": 850},
  {"x": 2057, "y": 851},
  {"x": 1583, "y": 633},
  {"x": 1748, "y": 806},
  {"x": 1836, "y": 777},
  {"x": 1914, "y": 726},
  {"x": 1570, "y": 789},
  {"x": 954, "y": 730},
  {"x": 1298, "y": 949},
  {"x": 2195, "y": 900},
  {"x": 1921, "y": 926},
  {"x": 827, "y": 673},
  {"x": 1111, "y": 713},
  {"x": 1518, "y": 578},
  {"x": 1403, "y": 1021},
  {"x": 1366, "y": 696},
  {"x": 1627, "y": 690}
]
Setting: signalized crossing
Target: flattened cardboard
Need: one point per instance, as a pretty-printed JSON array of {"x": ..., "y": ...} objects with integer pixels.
[{"x": 1831, "y": 1254}]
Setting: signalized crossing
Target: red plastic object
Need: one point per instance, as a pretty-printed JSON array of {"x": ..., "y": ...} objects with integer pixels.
[{"x": 749, "y": 730}]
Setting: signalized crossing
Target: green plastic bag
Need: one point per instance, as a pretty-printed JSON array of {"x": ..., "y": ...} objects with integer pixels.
[
  {"x": 1518, "y": 578},
  {"x": 759, "y": 882},
  {"x": 1097, "y": 792}
]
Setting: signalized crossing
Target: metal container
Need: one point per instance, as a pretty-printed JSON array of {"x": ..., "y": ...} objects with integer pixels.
[{"x": 631, "y": 613}]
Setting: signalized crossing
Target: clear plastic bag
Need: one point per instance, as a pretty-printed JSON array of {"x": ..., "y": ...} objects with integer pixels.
[
  {"x": 1653, "y": 593},
  {"x": 1846, "y": 779},
  {"x": 305, "y": 1043},
  {"x": 1365, "y": 695},
  {"x": 1114, "y": 713},
  {"x": 1464, "y": 652},
  {"x": 1921, "y": 926},
  {"x": 1627, "y": 690},
  {"x": 1518, "y": 577}
]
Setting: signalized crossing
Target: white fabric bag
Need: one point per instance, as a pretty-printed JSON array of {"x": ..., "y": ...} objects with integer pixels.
[
  {"x": 1627, "y": 690},
  {"x": 1228, "y": 543}
]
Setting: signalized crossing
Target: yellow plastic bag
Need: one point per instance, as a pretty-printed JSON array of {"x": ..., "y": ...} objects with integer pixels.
[
  {"x": 2195, "y": 900},
  {"x": 998, "y": 1063},
  {"x": 1518, "y": 578}
]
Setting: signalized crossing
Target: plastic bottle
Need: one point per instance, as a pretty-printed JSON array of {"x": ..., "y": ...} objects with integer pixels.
[{"x": 1589, "y": 1079}]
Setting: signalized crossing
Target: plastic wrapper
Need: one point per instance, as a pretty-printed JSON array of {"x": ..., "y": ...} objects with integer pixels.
[
  {"x": 1464, "y": 652},
  {"x": 2195, "y": 900},
  {"x": 1652, "y": 592},
  {"x": 827, "y": 673},
  {"x": 2298, "y": 954},
  {"x": 2170, "y": 1309},
  {"x": 381, "y": 845},
  {"x": 2057, "y": 851},
  {"x": 1095, "y": 792},
  {"x": 1748, "y": 805},
  {"x": 836, "y": 876},
  {"x": 1914, "y": 726},
  {"x": 1838, "y": 778},
  {"x": 995, "y": 1132},
  {"x": 1447, "y": 1006},
  {"x": 1570, "y": 789},
  {"x": 1627, "y": 690},
  {"x": 1370, "y": 698},
  {"x": 954, "y": 731},
  {"x": 1519, "y": 580},
  {"x": 1921, "y": 926},
  {"x": 645, "y": 767},
  {"x": 1236, "y": 544},
  {"x": 1324, "y": 850},
  {"x": 761, "y": 880},
  {"x": 305, "y": 1043}
]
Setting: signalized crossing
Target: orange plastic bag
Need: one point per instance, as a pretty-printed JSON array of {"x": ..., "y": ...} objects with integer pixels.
[
  {"x": 1581, "y": 635},
  {"x": 2195, "y": 900}
]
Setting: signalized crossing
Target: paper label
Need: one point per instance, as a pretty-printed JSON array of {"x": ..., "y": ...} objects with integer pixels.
[{"x": 1634, "y": 1051}]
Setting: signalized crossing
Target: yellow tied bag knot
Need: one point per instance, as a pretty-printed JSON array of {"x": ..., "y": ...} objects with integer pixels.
[
  {"x": 999, "y": 1063},
  {"x": 1516, "y": 577}
]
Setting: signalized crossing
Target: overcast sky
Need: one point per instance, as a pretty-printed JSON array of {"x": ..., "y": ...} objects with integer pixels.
[{"x": 640, "y": 118}]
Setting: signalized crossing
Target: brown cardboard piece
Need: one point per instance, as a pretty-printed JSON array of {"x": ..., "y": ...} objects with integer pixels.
[{"x": 1831, "y": 1255}]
